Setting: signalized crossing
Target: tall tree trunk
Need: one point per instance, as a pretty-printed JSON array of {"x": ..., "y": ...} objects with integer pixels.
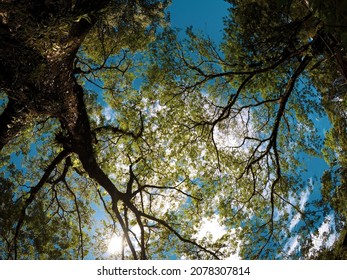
[{"x": 36, "y": 72}]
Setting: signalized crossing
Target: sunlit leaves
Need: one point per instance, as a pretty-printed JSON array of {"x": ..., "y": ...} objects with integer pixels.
[
  {"x": 249, "y": 81},
  {"x": 186, "y": 133}
]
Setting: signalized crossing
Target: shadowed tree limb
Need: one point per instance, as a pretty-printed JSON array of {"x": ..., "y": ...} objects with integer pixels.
[
  {"x": 169, "y": 227},
  {"x": 32, "y": 194}
]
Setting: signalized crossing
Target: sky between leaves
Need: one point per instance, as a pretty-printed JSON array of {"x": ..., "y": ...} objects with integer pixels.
[{"x": 206, "y": 16}]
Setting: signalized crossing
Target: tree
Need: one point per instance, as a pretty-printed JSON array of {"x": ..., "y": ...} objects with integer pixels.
[
  {"x": 42, "y": 41},
  {"x": 273, "y": 76},
  {"x": 209, "y": 135}
]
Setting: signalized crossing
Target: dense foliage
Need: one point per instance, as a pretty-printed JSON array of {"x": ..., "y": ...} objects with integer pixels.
[{"x": 112, "y": 124}]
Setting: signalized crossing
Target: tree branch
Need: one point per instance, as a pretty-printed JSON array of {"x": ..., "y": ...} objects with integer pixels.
[
  {"x": 33, "y": 192},
  {"x": 167, "y": 225}
]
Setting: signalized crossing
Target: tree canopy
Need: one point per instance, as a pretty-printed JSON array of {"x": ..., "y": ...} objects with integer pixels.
[{"x": 105, "y": 106}]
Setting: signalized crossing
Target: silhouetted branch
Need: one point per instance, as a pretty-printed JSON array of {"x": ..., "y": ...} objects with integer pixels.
[{"x": 32, "y": 194}]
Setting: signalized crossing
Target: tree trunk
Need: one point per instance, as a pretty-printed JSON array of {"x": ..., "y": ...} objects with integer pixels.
[
  {"x": 36, "y": 60},
  {"x": 40, "y": 81}
]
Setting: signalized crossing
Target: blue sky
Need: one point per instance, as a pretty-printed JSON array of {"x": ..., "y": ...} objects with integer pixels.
[{"x": 205, "y": 15}]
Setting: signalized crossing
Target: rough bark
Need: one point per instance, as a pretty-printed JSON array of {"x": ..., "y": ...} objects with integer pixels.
[
  {"x": 76, "y": 122},
  {"x": 41, "y": 82},
  {"x": 36, "y": 62},
  {"x": 37, "y": 74}
]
